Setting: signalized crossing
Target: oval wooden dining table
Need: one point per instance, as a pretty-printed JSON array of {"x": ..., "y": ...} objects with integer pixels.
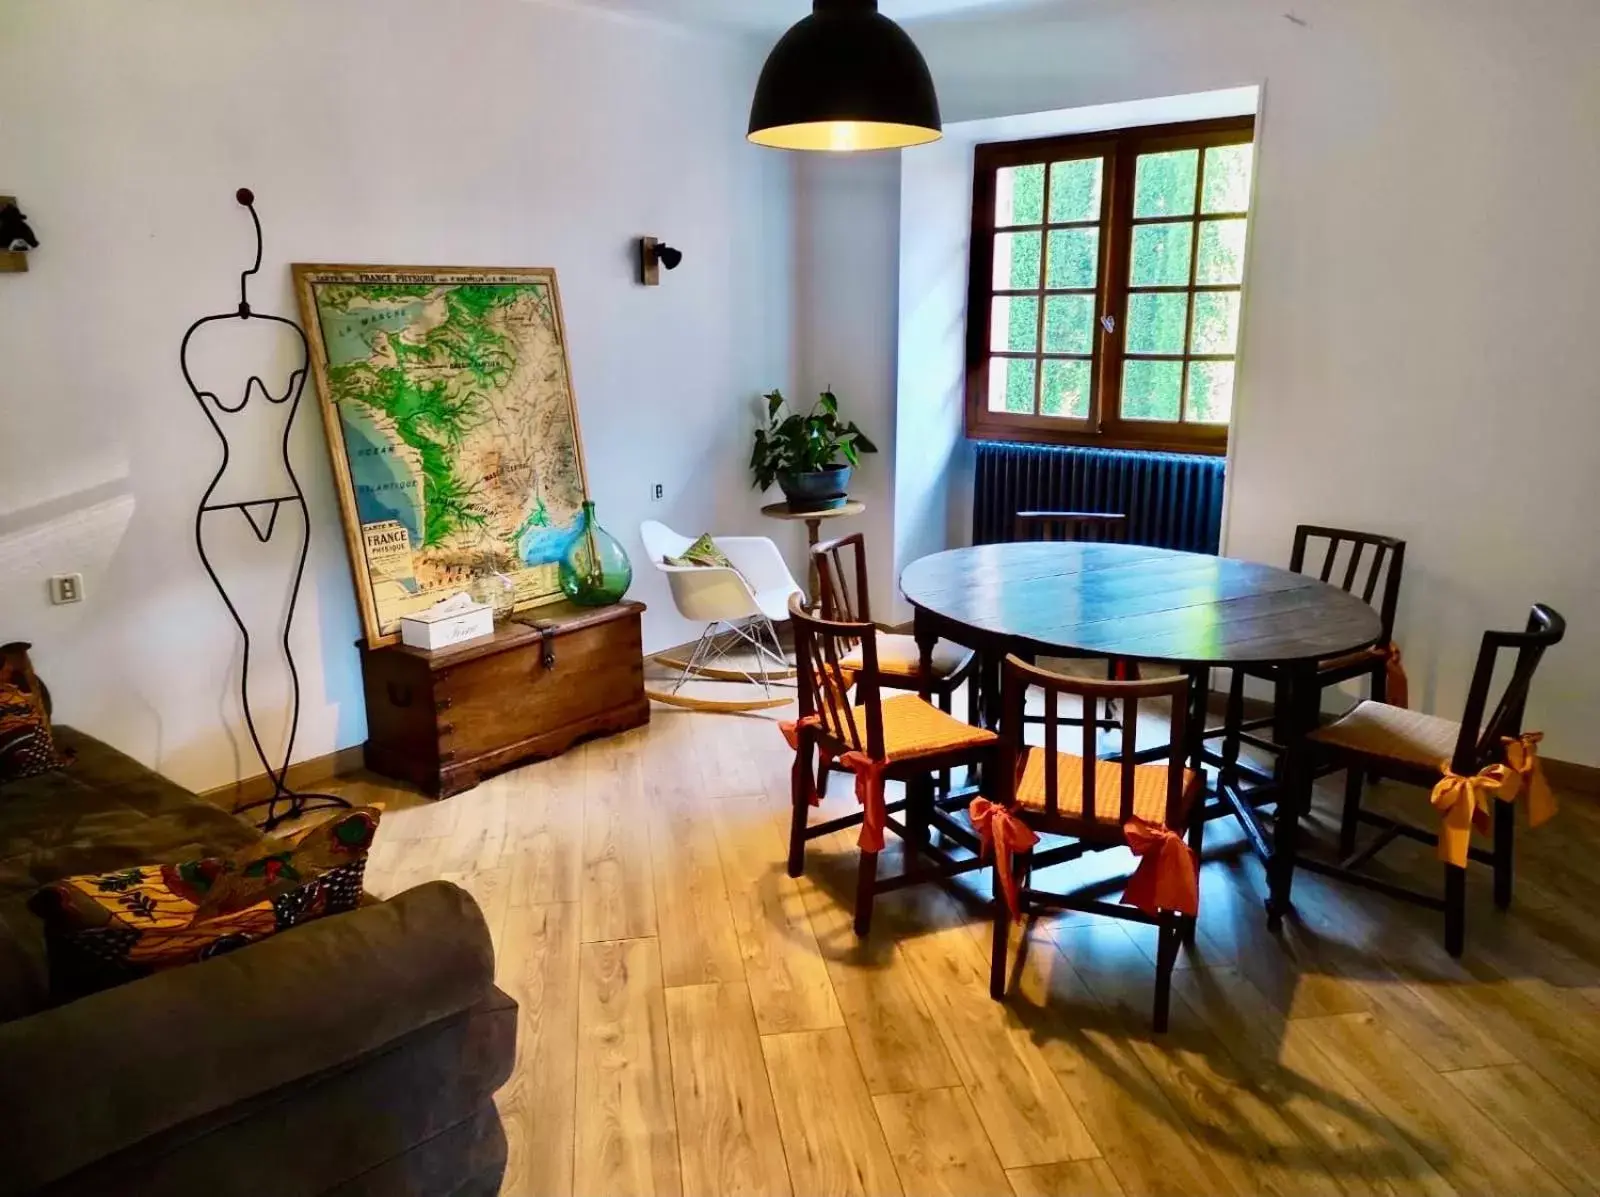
[{"x": 1192, "y": 611}]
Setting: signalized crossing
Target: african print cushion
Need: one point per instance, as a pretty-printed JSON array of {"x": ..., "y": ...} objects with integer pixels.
[
  {"x": 109, "y": 928},
  {"x": 702, "y": 552},
  {"x": 27, "y": 747}
]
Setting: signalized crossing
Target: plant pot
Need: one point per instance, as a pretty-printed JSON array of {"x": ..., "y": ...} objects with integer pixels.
[{"x": 819, "y": 490}]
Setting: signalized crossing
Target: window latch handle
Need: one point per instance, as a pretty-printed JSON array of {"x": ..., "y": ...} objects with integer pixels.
[{"x": 1109, "y": 323}]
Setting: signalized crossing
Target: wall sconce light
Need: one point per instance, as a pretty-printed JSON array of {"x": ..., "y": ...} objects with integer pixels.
[
  {"x": 16, "y": 238},
  {"x": 653, "y": 255}
]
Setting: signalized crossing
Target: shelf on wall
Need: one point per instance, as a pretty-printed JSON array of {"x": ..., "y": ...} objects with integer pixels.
[{"x": 12, "y": 262}]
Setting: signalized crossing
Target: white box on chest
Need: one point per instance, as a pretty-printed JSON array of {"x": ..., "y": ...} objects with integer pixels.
[{"x": 452, "y": 622}]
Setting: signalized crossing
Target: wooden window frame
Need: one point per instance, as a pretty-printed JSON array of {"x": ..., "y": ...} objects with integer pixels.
[{"x": 1104, "y": 426}]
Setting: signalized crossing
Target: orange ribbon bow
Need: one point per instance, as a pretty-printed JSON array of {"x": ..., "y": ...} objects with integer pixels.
[
  {"x": 791, "y": 728},
  {"x": 1397, "y": 687},
  {"x": 802, "y": 766},
  {"x": 869, "y": 792},
  {"x": 1168, "y": 876},
  {"x": 1003, "y": 834},
  {"x": 1522, "y": 755},
  {"x": 1463, "y": 802}
]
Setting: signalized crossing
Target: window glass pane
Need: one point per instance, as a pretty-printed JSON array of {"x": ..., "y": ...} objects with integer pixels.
[
  {"x": 1066, "y": 389},
  {"x": 1075, "y": 190},
  {"x": 1165, "y": 183},
  {"x": 1019, "y": 195},
  {"x": 1221, "y": 252},
  {"x": 1151, "y": 390},
  {"x": 1014, "y": 324},
  {"x": 1016, "y": 261},
  {"x": 1216, "y": 322},
  {"x": 1011, "y": 384},
  {"x": 1157, "y": 322},
  {"x": 1074, "y": 258},
  {"x": 1210, "y": 393},
  {"x": 1161, "y": 254},
  {"x": 1227, "y": 184},
  {"x": 1069, "y": 324}
]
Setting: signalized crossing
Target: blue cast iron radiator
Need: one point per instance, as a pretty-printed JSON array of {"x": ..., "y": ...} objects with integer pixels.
[{"x": 1172, "y": 500}]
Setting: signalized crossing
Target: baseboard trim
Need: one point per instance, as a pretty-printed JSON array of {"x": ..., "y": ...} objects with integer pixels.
[
  {"x": 303, "y": 775},
  {"x": 1573, "y": 778}
]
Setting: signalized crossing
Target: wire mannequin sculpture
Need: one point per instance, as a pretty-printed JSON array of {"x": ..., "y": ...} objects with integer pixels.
[{"x": 261, "y": 513}]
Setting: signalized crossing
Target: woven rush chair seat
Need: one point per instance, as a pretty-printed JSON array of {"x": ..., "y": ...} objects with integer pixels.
[
  {"x": 914, "y": 728},
  {"x": 899, "y": 656},
  {"x": 1391, "y": 733},
  {"x": 1149, "y": 789},
  {"x": 1363, "y": 658}
]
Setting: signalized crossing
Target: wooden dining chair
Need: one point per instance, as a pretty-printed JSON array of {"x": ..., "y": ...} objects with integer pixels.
[
  {"x": 1091, "y": 527},
  {"x": 904, "y": 738},
  {"x": 1476, "y": 770},
  {"x": 1098, "y": 804},
  {"x": 844, "y": 596},
  {"x": 1362, "y": 563}
]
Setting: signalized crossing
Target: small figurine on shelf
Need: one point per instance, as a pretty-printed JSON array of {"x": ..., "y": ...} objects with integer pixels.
[
  {"x": 14, "y": 231},
  {"x": 595, "y": 571}
]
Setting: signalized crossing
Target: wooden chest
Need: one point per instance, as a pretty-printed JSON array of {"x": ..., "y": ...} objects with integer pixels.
[{"x": 550, "y": 677}]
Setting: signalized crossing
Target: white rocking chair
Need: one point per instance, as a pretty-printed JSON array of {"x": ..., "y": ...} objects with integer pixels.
[{"x": 740, "y": 607}]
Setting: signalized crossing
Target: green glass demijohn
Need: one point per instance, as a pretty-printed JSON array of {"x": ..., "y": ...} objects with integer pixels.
[{"x": 595, "y": 570}]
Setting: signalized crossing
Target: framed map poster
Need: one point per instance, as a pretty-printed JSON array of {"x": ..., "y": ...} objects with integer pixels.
[{"x": 447, "y": 401}]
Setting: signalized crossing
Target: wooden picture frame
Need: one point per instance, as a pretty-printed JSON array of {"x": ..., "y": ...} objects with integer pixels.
[{"x": 414, "y": 389}]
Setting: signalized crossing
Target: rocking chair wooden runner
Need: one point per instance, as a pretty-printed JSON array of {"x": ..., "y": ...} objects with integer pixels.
[
  {"x": 1098, "y": 803},
  {"x": 905, "y": 738},
  {"x": 1472, "y": 767}
]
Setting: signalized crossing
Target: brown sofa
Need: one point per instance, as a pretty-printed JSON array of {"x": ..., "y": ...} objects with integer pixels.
[{"x": 358, "y": 1054}]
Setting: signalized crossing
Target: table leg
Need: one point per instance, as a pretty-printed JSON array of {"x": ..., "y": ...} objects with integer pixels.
[
  {"x": 1195, "y": 718},
  {"x": 1298, "y": 714},
  {"x": 813, "y": 538},
  {"x": 989, "y": 687},
  {"x": 926, "y": 637}
]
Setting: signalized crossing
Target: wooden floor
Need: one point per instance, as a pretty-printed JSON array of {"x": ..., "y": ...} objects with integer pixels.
[{"x": 695, "y": 1022}]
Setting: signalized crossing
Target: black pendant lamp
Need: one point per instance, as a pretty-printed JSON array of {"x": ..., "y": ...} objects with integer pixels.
[{"x": 845, "y": 78}]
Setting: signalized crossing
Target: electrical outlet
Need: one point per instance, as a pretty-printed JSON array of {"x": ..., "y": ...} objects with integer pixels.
[
  {"x": 657, "y": 493},
  {"x": 66, "y": 588}
]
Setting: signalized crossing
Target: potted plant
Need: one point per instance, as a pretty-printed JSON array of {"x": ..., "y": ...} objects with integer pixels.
[{"x": 809, "y": 456}]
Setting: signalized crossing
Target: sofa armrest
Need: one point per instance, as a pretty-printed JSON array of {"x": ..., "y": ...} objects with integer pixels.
[{"x": 84, "y": 1080}]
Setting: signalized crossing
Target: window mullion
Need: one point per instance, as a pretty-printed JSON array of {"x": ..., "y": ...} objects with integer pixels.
[
  {"x": 1044, "y": 276},
  {"x": 1194, "y": 277},
  {"x": 1114, "y": 286}
]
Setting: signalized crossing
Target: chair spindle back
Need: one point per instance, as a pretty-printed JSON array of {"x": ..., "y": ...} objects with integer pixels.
[
  {"x": 1020, "y": 677},
  {"x": 1383, "y": 567},
  {"x": 1086, "y": 526},
  {"x": 824, "y": 685},
  {"x": 1481, "y": 740},
  {"x": 842, "y": 579}
]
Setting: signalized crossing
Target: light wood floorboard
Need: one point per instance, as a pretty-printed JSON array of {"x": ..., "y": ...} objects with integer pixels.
[{"x": 694, "y": 1021}]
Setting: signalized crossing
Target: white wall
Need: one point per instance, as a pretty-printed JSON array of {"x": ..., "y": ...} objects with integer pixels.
[
  {"x": 846, "y": 235},
  {"x": 499, "y": 132},
  {"x": 1425, "y": 280}
]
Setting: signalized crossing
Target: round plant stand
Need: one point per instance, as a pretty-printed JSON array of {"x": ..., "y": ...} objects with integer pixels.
[{"x": 813, "y": 519}]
